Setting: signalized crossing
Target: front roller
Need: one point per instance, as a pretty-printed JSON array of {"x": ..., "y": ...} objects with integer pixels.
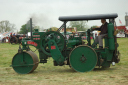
[
  {"x": 25, "y": 62},
  {"x": 83, "y": 58}
]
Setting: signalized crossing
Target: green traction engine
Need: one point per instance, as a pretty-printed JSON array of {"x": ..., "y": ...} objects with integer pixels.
[{"x": 67, "y": 51}]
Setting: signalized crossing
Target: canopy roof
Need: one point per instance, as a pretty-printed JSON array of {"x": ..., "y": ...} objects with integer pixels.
[{"x": 88, "y": 17}]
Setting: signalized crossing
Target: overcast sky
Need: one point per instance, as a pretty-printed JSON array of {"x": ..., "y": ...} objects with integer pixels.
[{"x": 46, "y": 12}]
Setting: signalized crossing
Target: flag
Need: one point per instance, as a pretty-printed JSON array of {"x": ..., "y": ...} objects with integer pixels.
[
  {"x": 6, "y": 33},
  {"x": 120, "y": 21}
]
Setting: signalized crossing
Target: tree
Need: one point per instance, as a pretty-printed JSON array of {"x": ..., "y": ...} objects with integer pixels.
[
  {"x": 95, "y": 26},
  {"x": 80, "y": 25},
  {"x": 52, "y": 29},
  {"x": 25, "y": 28},
  {"x": 6, "y": 26}
]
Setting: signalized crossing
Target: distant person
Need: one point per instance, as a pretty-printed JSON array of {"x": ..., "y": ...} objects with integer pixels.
[
  {"x": 126, "y": 33},
  {"x": 10, "y": 35},
  {"x": 104, "y": 31},
  {"x": 8, "y": 38},
  {"x": 4, "y": 40},
  {"x": 14, "y": 34}
]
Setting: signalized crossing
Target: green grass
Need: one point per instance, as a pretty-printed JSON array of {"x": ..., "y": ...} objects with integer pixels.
[{"x": 47, "y": 74}]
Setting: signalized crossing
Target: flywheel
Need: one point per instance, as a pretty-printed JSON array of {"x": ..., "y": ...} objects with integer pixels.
[{"x": 52, "y": 35}]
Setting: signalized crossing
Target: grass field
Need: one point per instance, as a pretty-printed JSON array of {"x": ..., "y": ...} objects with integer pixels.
[{"x": 47, "y": 74}]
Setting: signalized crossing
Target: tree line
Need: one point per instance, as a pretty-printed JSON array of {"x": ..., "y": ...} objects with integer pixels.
[{"x": 7, "y": 26}]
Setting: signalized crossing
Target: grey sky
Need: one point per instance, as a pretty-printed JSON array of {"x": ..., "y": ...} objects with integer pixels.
[{"x": 46, "y": 12}]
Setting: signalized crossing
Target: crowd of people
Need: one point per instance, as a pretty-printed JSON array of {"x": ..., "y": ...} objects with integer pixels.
[
  {"x": 7, "y": 39},
  {"x": 13, "y": 38}
]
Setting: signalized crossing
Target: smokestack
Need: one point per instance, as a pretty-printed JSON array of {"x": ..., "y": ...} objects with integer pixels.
[{"x": 31, "y": 27}]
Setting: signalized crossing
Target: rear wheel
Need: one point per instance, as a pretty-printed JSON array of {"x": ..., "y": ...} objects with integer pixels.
[{"x": 83, "y": 58}]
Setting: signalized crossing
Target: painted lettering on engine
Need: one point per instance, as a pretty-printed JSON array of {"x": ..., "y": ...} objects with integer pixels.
[
  {"x": 53, "y": 47},
  {"x": 32, "y": 43}
]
